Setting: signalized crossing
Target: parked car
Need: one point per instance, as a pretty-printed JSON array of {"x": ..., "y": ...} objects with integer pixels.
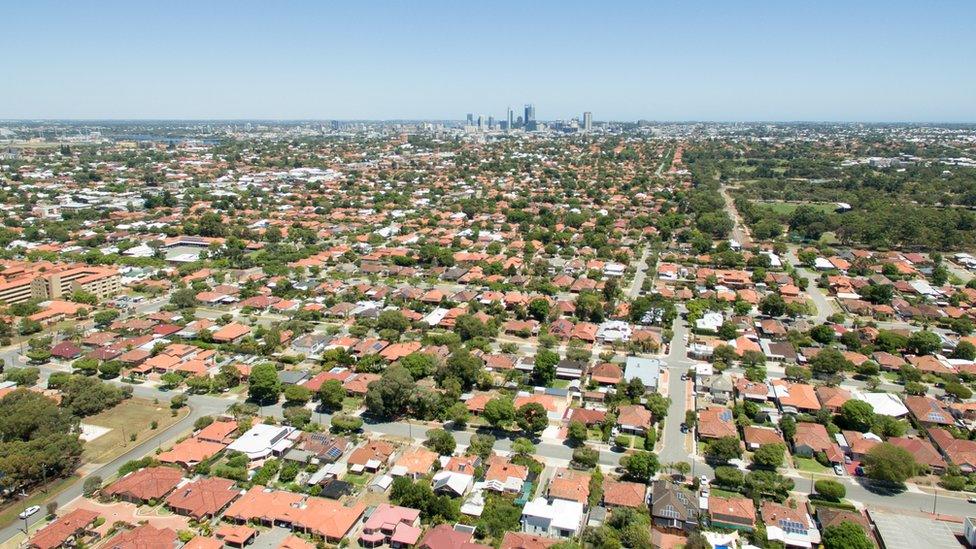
[
  {"x": 29, "y": 511},
  {"x": 971, "y": 499},
  {"x": 839, "y": 469},
  {"x": 704, "y": 480}
]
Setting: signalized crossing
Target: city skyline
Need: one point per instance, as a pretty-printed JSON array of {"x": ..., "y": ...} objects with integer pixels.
[{"x": 870, "y": 62}]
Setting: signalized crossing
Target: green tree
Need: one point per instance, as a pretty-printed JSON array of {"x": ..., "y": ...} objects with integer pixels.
[
  {"x": 392, "y": 320},
  {"x": 544, "y": 369},
  {"x": 769, "y": 456},
  {"x": 958, "y": 390},
  {"x": 773, "y": 305},
  {"x": 576, "y": 432},
  {"x": 391, "y": 395},
  {"x": 297, "y": 395},
  {"x": 499, "y": 412},
  {"x": 923, "y": 342},
  {"x": 640, "y": 466},
  {"x": 724, "y": 449},
  {"x": 481, "y": 445},
  {"x": 263, "y": 384},
  {"x": 331, "y": 394},
  {"x": 830, "y": 489},
  {"x": 523, "y": 447},
  {"x": 964, "y": 350},
  {"x": 104, "y": 318},
  {"x": 420, "y": 365},
  {"x": 829, "y": 361},
  {"x": 342, "y": 423},
  {"x": 890, "y": 463},
  {"x": 856, "y": 415},
  {"x": 846, "y": 535},
  {"x": 184, "y": 299},
  {"x": 539, "y": 309},
  {"x": 586, "y": 457},
  {"x": 441, "y": 442},
  {"x": 729, "y": 477},
  {"x": 532, "y": 418}
]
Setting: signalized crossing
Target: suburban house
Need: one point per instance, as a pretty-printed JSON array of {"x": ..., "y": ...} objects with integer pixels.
[
  {"x": 204, "y": 498},
  {"x": 734, "y": 513},
  {"x": 673, "y": 507},
  {"x": 393, "y": 525},
  {"x": 553, "y": 517},
  {"x": 791, "y": 527},
  {"x": 151, "y": 483},
  {"x": 634, "y": 419},
  {"x": 812, "y": 438}
]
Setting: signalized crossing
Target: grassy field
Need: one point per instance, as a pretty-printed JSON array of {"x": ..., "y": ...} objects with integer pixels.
[
  {"x": 132, "y": 416},
  {"x": 788, "y": 207}
]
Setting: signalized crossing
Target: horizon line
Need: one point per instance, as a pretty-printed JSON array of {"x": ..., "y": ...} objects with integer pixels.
[{"x": 462, "y": 120}]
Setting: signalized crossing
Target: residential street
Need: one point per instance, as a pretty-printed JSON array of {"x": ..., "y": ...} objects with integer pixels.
[{"x": 824, "y": 307}]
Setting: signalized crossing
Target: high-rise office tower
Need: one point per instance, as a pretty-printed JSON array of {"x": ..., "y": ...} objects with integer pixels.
[
  {"x": 491, "y": 122},
  {"x": 587, "y": 121},
  {"x": 530, "y": 117},
  {"x": 481, "y": 122},
  {"x": 470, "y": 119},
  {"x": 511, "y": 118}
]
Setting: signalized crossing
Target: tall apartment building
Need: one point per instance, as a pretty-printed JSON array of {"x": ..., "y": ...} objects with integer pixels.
[{"x": 23, "y": 281}]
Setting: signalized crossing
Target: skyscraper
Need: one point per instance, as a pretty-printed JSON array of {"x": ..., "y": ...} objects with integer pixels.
[
  {"x": 481, "y": 122},
  {"x": 530, "y": 117},
  {"x": 587, "y": 121},
  {"x": 491, "y": 122},
  {"x": 470, "y": 121},
  {"x": 511, "y": 119}
]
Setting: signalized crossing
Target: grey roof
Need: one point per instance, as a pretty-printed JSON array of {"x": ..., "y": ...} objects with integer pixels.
[
  {"x": 903, "y": 531},
  {"x": 292, "y": 377},
  {"x": 721, "y": 383},
  {"x": 671, "y": 501},
  {"x": 646, "y": 369}
]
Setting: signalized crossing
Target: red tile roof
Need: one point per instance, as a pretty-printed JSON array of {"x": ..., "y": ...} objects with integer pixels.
[{"x": 146, "y": 484}]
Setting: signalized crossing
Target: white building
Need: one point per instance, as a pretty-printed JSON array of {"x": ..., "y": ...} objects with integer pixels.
[
  {"x": 710, "y": 322},
  {"x": 554, "y": 518},
  {"x": 263, "y": 440},
  {"x": 613, "y": 330}
]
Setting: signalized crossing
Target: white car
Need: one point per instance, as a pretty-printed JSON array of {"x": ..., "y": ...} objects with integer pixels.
[
  {"x": 839, "y": 470},
  {"x": 704, "y": 480},
  {"x": 29, "y": 511}
]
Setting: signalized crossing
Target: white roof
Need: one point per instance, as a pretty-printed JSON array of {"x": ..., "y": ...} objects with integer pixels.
[
  {"x": 821, "y": 263},
  {"x": 886, "y": 404},
  {"x": 561, "y": 513},
  {"x": 259, "y": 440},
  {"x": 457, "y": 482}
]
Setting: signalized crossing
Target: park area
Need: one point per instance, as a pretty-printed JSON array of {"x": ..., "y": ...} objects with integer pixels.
[{"x": 110, "y": 433}]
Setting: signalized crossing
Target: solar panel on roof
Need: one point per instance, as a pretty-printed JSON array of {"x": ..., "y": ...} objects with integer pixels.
[{"x": 334, "y": 453}]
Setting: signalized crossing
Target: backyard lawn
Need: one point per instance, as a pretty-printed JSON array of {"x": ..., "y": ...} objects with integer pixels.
[
  {"x": 359, "y": 480},
  {"x": 809, "y": 465}
]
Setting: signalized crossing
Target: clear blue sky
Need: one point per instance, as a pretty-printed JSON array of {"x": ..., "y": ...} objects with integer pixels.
[{"x": 864, "y": 60}]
